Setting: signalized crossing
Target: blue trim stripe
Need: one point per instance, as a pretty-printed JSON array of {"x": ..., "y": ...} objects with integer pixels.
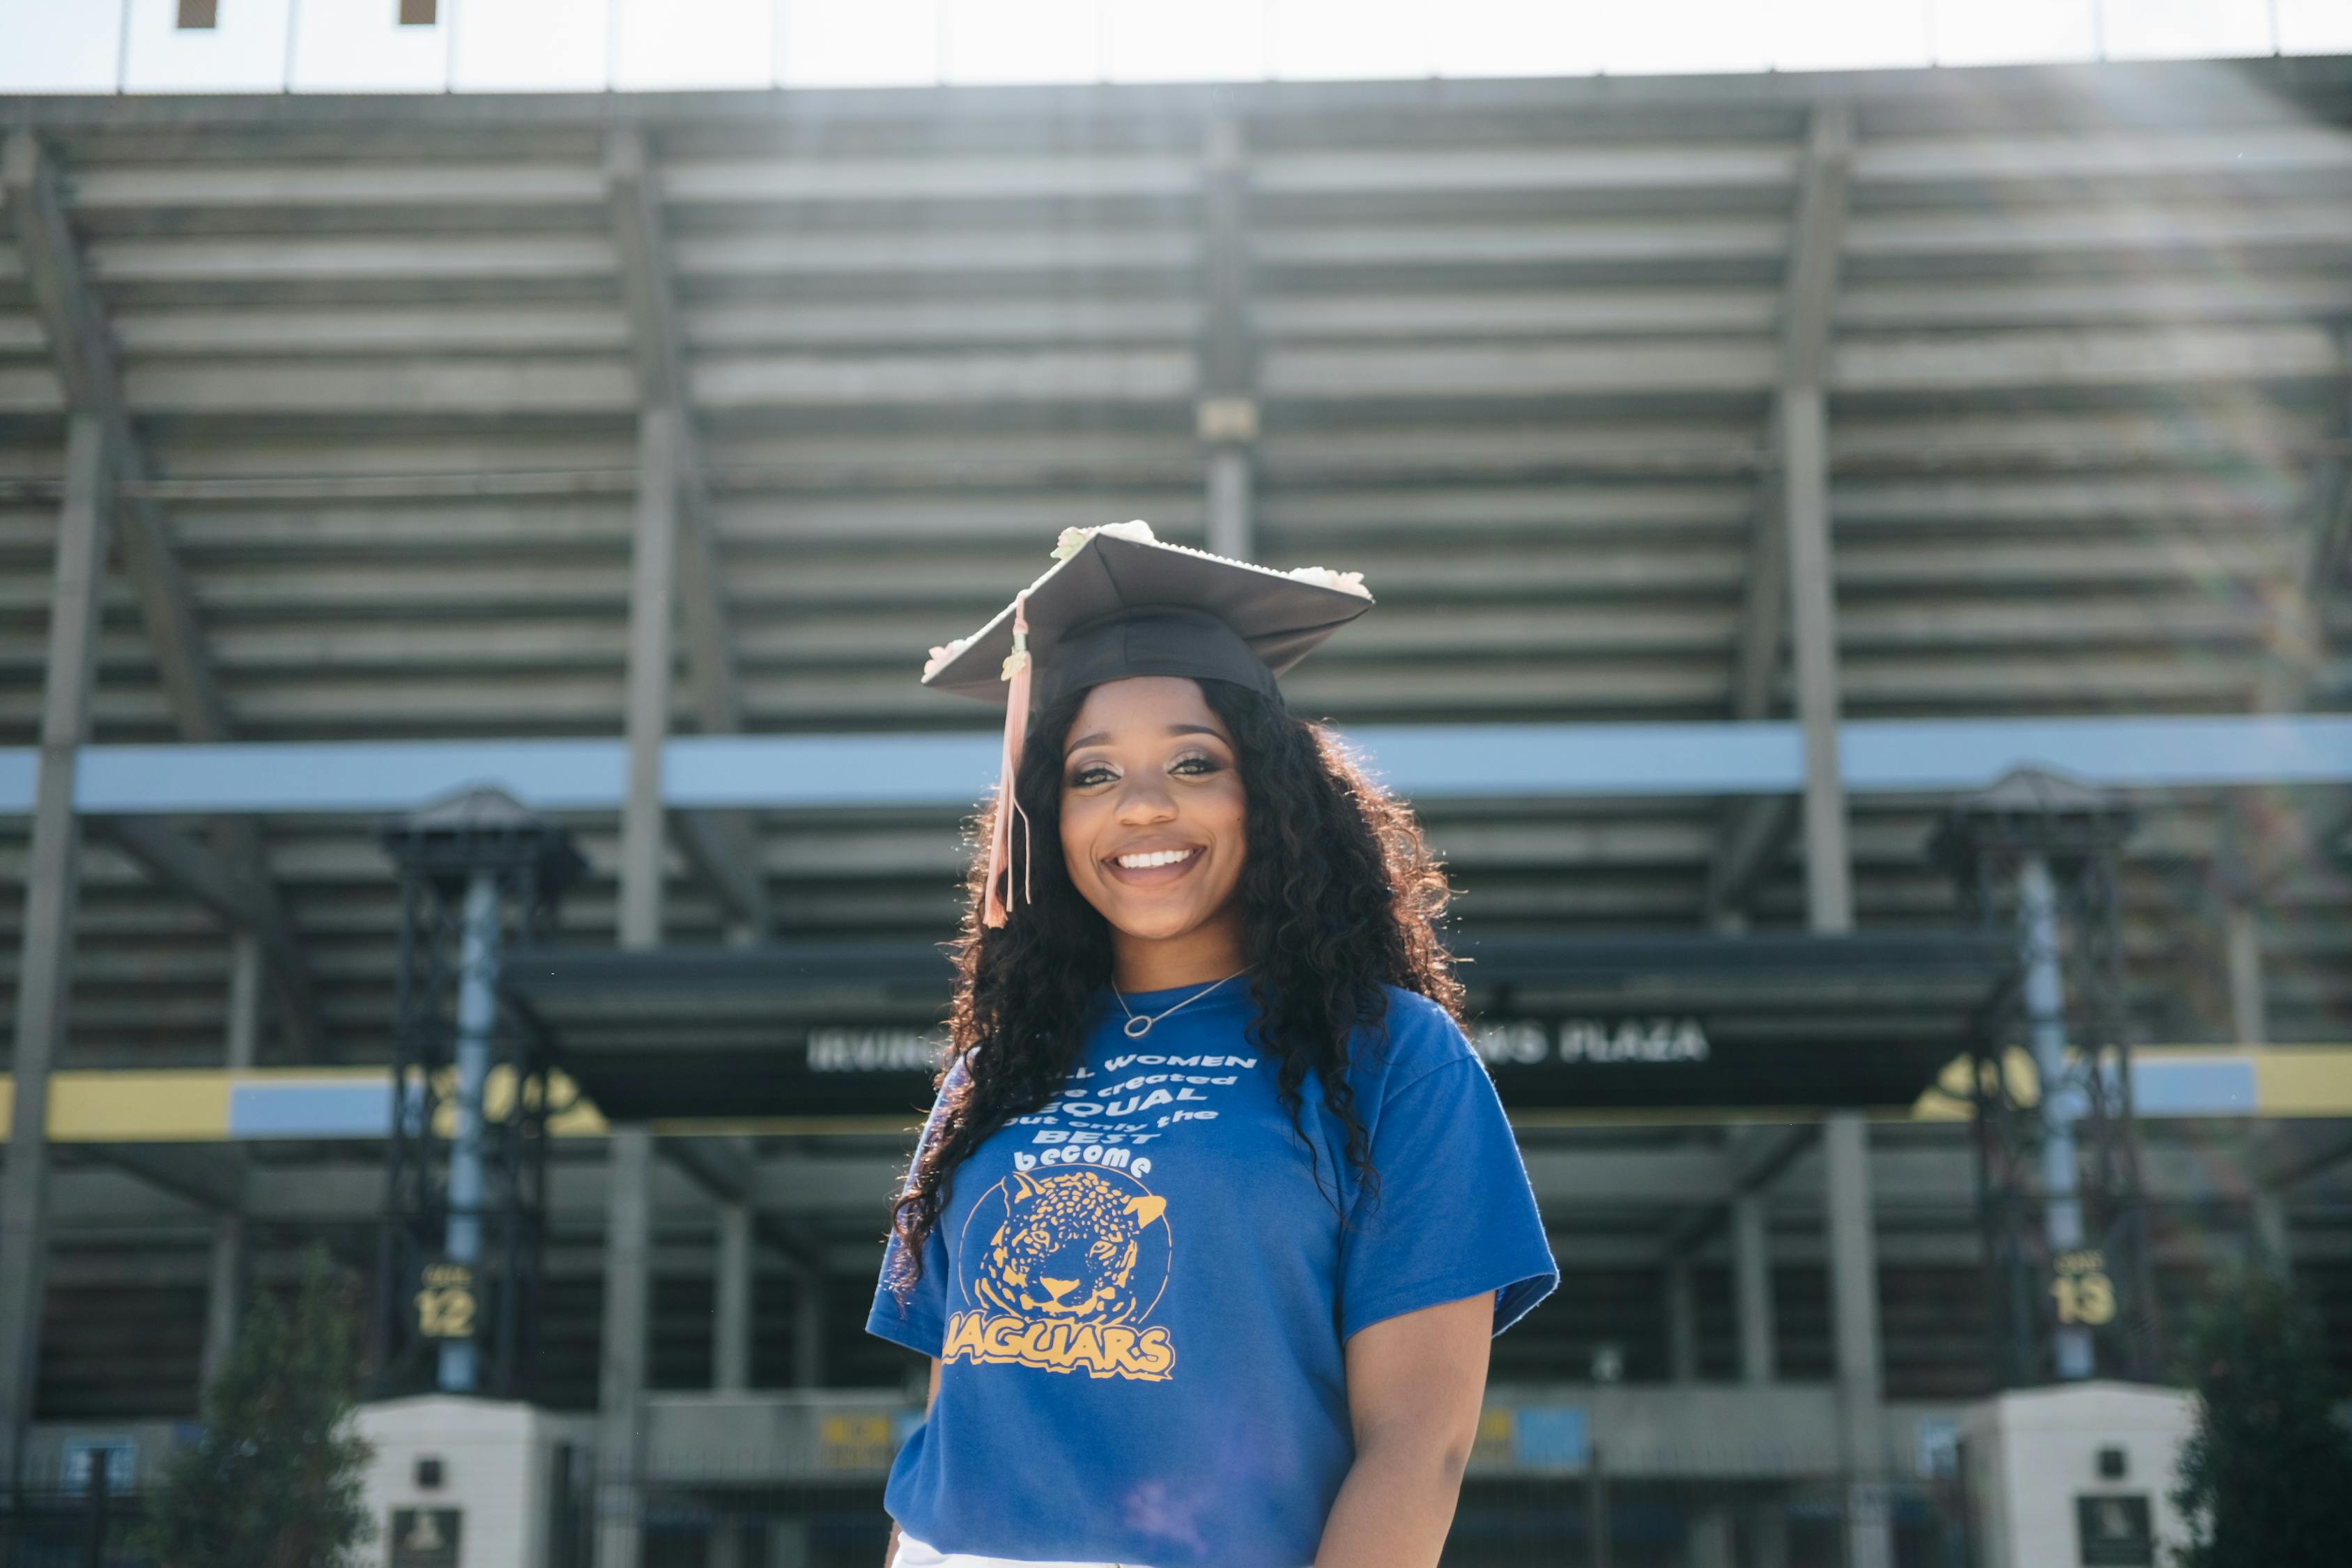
[
  {"x": 1879, "y": 756},
  {"x": 2193, "y": 1085},
  {"x": 360, "y": 1109}
]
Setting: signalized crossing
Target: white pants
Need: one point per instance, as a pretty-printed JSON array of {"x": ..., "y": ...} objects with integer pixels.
[{"x": 913, "y": 1554}]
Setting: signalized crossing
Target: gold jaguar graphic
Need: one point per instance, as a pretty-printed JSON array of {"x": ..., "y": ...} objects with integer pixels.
[{"x": 1066, "y": 1249}]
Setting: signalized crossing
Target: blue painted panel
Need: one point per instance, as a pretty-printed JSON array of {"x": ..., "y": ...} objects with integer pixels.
[
  {"x": 829, "y": 770},
  {"x": 2212, "y": 1087},
  {"x": 1552, "y": 1437},
  {"x": 364, "y": 776},
  {"x": 1893, "y": 756},
  {"x": 20, "y": 771},
  {"x": 1506, "y": 760},
  {"x": 1425, "y": 761},
  {"x": 358, "y": 1109}
]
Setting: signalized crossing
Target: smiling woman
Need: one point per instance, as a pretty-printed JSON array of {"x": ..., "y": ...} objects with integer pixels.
[
  {"x": 1154, "y": 828},
  {"x": 1202, "y": 1000}
]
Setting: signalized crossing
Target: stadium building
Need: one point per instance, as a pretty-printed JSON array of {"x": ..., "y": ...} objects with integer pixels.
[{"x": 475, "y": 550}]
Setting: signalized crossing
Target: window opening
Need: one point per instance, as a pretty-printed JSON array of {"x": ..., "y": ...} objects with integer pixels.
[
  {"x": 198, "y": 15},
  {"x": 418, "y": 13}
]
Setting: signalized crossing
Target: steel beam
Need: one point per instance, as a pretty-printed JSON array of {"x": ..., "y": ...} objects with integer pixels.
[
  {"x": 1829, "y": 873},
  {"x": 52, "y": 887},
  {"x": 1753, "y": 1158},
  {"x": 1226, "y": 415},
  {"x": 1682, "y": 1322},
  {"x": 731, "y": 1326},
  {"x": 210, "y": 1178},
  {"x": 653, "y": 559},
  {"x": 1854, "y": 1329},
  {"x": 621, "y": 1374},
  {"x": 82, "y": 348},
  {"x": 1751, "y": 1266},
  {"x": 228, "y": 885},
  {"x": 808, "y": 1329},
  {"x": 225, "y": 1283},
  {"x": 723, "y": 846},
  {"x": 1754, "y": 830},
  {"x": 641, "y": 248}
]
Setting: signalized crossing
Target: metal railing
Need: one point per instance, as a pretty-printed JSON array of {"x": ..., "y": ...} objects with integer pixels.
[{"x": 90, "y": 1527}]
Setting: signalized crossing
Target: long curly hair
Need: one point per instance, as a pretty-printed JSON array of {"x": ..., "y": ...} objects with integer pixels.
[{"x": 1339, "y": 896}]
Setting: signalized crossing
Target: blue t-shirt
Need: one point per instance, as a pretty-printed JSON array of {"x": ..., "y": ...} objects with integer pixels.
[{"x": 1139, "y": 1295}]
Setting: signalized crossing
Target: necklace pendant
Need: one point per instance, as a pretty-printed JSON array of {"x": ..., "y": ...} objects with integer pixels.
[{"x": 1137, "y": 1027}]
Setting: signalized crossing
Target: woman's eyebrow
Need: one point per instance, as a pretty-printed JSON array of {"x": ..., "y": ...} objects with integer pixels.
[{"x": 1101, "y": 736}]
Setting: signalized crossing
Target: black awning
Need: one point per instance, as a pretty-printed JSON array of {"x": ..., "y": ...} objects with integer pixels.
[{"x": 1568, "y": 1023}]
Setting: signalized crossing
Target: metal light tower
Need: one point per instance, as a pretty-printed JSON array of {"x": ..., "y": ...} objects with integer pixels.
[
  {"x": 2058, "y": 1170},
  {"x": 464, "y": 1175}
]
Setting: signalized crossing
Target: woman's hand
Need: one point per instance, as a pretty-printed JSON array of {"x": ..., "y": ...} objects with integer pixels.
[{"x": 1415, "y": 1386}]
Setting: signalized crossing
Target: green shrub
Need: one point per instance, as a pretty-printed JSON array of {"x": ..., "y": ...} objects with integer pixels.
[
  {"x": 275, "y": 1479},
  {"x": 2266, "y": 1477}
]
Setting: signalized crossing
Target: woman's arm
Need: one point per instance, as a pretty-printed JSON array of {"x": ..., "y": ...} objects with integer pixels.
[
  {"x": 1414, "y": 1384},
  {"x": 890, "y": 1554}
]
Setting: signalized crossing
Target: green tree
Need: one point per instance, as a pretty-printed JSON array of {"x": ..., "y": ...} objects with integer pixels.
[
  {"x": 2266, "y": 1477},
  {"x": 275, "y": 1480}
]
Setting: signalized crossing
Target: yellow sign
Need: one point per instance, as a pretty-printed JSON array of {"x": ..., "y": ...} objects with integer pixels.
[
  {"x": 2085, "y": 1294},
  {"x": 854, "y": 1443},
  {"x": 445, "y": 1306},
  {"x": 1498, "y": 1436}
]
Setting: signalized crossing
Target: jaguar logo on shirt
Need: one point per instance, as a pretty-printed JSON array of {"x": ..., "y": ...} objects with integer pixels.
[{"x": 1060, "y": 1272}]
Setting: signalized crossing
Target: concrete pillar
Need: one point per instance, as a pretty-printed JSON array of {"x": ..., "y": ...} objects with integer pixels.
[
  {"x": 2250, "y": 1018},
  {"x": 1768, "y": 1524},
  {"x": 788, "y": 1544},
  {"x": 653, "y": 572},
  {"x": 808, "y": 1331},
  {"x": 1804, "y": 457},
  {"x": 2273, "y": 1240},
  {"x": 224, "y": 1294},
  {"x": 727, "y": 1543},
  {"x": 244, "y": 1041},
  {"x": 1751, "y": 1270},
  {"x": 621, "y": 1380},
  {"x": 52, "y": 887},
  {"x": 628, "y": 1237},
  {"x": 1232, "y": 527},
  {"x": 1226, "y": 415},
  {"x": 1710, "y": 1536},
  {"x": 1853, "y": 1299},
  {"x": 225, "y": 1281},
  {"x": 731, "y": 1327},
  {"x": 1682, "y": 1322}
]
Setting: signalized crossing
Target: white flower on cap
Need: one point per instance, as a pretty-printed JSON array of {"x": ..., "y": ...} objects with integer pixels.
[
  {"x": 1323, "y": 577},
  {"x": 1072, "y": 539},
  {"x": 944, "y": 652}
]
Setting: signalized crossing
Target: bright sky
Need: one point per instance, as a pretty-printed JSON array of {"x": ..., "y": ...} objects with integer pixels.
[{"x": 266, "y": 46}]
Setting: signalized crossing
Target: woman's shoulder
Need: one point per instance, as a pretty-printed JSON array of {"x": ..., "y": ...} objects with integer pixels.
[{"x": 1418, "y": 1038}]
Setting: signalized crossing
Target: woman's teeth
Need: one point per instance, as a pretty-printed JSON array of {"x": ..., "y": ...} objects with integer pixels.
[{"x": 1153, "y": 858}]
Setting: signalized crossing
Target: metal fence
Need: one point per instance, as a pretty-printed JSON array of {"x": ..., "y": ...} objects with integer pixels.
[
  {"x": 92, "y": 1528},
  {"x": 1501, "y": 1523}
]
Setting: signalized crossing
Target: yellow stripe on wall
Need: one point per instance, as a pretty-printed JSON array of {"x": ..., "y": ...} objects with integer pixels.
[
  {"x": 192, "y": 1106},
  {"x": 2302, "y": 1080},
  {"x": 139, "y": 1107}
]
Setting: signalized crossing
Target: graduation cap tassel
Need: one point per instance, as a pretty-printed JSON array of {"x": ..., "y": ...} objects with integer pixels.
[{"x": 1017, "y": 664}]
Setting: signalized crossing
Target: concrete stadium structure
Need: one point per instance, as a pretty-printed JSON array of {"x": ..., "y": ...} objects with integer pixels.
[{"x": 1746, "y": 465}]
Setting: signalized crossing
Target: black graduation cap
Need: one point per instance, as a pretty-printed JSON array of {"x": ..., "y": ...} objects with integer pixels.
[{"x": 1118, "y": 603}]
